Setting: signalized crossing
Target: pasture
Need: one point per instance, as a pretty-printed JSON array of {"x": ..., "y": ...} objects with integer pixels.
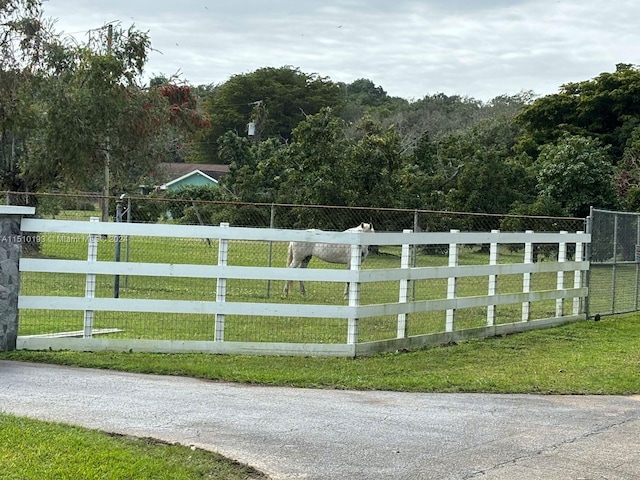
[{"x": 258, "y": 328}]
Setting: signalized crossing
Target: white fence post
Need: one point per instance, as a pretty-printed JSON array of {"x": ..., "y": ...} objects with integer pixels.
[
  {"x": 562, "y": 257},
  {"x": 493, "y": 281},
  {"x": 526, "y": 279},
  {"x": 354, "y": 294},
  {"x": 90, "y": 284},
  {"x": 577, "y": 275},
  {"x": 452, "y": 284},
  {"x": 221, "y": 285},
  {"x": 403, "y": 296}
]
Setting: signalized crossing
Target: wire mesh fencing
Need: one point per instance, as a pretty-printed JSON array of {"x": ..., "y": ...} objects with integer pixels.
[
  {"x": 155, "y": 209},
  {"x": 204, "y": 251},
  {"x": 614, "y": 277}
]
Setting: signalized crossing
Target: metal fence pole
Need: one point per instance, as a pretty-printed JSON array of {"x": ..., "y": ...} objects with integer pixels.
[
  {"x": 614, "y": 266},
  {"x": 414, "y": 251},
  {"x": 116, "y": 278},
  {"x": 636, "y": 259},
  {"x": 587, "y": 255},
  {"x": 126, "y": 241}
]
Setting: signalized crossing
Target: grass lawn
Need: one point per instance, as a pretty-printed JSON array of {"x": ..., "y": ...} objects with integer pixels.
[
  {"x": 581, "y": 358},
  {"x": 30, "y": 449}
]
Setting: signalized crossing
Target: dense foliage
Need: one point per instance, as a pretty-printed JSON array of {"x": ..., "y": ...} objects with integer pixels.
[
  {"x": 77, "y": 116},
  {"x": 553, "y": 155}
]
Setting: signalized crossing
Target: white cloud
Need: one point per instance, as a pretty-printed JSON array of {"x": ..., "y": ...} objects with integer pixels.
[{"x": 411, "y": 48}]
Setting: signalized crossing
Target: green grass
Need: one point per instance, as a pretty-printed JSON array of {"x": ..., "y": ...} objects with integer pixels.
[
  {"x": 580, "y": 358},
  {"x": 35, "y": 450}
]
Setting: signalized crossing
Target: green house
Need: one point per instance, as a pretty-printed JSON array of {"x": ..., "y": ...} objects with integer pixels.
[
  {"x": 192, "y": 174},
  {"x": 195, "y": 178}
]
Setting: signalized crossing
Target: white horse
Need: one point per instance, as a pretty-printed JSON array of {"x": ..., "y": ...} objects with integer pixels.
[{"x": 299, "y": 255}]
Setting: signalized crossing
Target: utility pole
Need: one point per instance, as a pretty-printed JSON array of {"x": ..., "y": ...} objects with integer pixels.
[
  {"x": 257, "y": 117},
  {"x": 105, "y": 192}
]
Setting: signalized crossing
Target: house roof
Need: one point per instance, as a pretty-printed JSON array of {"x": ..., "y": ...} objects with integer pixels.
[
  {"x": 187, "y": 175},
  {"x": 175, "y": 170}
]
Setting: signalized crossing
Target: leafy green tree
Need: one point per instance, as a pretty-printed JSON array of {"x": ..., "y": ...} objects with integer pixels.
[
  {"x": 99, "y": 127},
  {"x": 576, "y": 173},
  {"x": 364, "y": 98},
  {"x": 254, "y": 172},
  {"x": 315, "y": 167},
  {"x": 474, "y": 170},
  {"x": 274, "y": 99},
  {"x": 627, "y": 173},
  {"x": 93, "y": 114},
  {"x": 24, "y": 44},
  {"x": 606, "y": 108},
  {"x": 490, "y": 181},
  {"x": 372, "y": 166}
]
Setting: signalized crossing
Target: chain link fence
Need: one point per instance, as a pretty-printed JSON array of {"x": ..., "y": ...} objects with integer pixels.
[
  {"x": 143, "y": 209},
  {"x": 614, "y": 277},
  {"x": 154, "y": 209}
]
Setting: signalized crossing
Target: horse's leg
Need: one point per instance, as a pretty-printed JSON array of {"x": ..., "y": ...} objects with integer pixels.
[
  {"x": 304, "y": 264},
  {"x": 290, "y": 263},
  {"x": 293, "y": 261}
]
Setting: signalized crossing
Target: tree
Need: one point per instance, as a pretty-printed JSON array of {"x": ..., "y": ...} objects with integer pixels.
[
  {"x": 96, "y": 116},
  {"x": 187, "y": 121},
  {"x": 99, "y": 126},
  {"x": 276, "y": 99},
  {"x": 371, "y": 167},
  {"x": 315, "y": 167},
  {"x": 627, "y": 173},
  {"x": 23, "y": 46},
  {"x": 363, "y": 97},
  {"x": 473, "y": 170},
  {"x": 576, "y": 173},
  {"x": 606, "y": 108},
  {"x": 255, "y": 169}
]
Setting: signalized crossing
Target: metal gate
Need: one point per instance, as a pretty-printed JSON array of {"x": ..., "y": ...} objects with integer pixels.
[{"x": 614, "y": 276}]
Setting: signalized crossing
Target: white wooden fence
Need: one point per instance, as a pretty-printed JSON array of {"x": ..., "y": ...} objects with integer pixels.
[{"x": 566, "y": 289}]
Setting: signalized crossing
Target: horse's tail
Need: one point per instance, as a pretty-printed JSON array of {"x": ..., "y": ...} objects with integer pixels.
[{"x": 290, "y": 254}]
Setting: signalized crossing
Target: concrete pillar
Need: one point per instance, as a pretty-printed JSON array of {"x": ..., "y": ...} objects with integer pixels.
[{"x": 11, "y": 238}]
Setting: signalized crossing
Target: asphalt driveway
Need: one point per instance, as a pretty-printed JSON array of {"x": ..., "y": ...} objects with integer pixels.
[{"x": 292, "y": 433}]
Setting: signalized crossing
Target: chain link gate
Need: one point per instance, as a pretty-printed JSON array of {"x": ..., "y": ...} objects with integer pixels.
[{"x": 614, "y": 276}]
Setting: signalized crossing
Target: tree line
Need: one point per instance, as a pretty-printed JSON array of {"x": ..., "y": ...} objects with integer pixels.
[
  {"x": 321, "y": 142},
  {"x": 78, "y": 117}
]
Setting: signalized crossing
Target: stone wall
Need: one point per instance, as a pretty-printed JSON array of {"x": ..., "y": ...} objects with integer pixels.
[{"x": 10, "y": 251}]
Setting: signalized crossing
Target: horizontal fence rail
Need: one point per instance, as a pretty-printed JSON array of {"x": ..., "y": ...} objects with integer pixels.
[{"x": 220, "y": 300}]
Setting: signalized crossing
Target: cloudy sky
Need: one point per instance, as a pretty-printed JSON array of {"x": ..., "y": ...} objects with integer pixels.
[{"x": 411, "y": 48}]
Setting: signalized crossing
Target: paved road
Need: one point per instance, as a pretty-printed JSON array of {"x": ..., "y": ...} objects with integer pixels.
[{"x": 294, "y": 433}]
